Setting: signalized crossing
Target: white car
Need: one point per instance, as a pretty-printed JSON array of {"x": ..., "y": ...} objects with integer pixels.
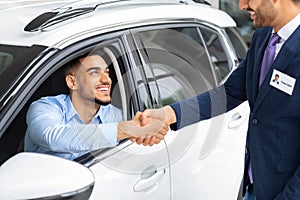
[{"x": 161, "y": 52}]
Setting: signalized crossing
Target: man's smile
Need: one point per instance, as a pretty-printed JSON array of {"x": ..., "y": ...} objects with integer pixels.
[{"x": 103, "y": 88}]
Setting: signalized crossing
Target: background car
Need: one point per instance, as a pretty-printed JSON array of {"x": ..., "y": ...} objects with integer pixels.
[{"x": 160, "y": 52}]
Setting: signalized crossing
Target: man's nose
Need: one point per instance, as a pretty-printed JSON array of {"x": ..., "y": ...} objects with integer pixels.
[
  {"x": 104, "y": 77},
  {"x": 244, "y": 4}
]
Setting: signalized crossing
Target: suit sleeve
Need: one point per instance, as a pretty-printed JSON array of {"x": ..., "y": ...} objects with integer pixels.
[{"x": 213, "y": 102}]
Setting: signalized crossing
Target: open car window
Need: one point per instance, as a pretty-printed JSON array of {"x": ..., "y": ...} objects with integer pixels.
[{"x": 51, "y": 83}]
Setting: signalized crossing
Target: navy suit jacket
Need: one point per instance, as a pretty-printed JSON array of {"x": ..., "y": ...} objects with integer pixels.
[{"x": 273, "y": 138}]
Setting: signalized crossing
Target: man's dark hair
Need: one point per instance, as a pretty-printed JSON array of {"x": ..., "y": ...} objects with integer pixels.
[{"x": 75, "y": 63}]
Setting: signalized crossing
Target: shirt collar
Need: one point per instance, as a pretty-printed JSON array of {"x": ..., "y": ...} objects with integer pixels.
[
  {"x": 71, "y": 112},
  {"x": 287, "y": 30},
  {"x": 98, "y": 115}
]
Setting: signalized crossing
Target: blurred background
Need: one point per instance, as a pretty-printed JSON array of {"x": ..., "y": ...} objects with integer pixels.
[{"x": 241, "y": 17}]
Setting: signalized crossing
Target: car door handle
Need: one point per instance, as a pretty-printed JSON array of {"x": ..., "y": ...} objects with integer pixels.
[
  {"x": 150, "y": 182},
  {"x": 236, "y": 120}
]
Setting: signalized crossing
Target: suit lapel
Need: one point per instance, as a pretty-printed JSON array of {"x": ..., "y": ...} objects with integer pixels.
[{"x": 287, "y": 52}]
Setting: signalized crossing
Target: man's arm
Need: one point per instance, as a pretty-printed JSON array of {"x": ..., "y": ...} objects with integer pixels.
[
  {"x": 165, "y": 116},
  {"x": 45, "y": 128},
  {"x": 150, "y": 129}
]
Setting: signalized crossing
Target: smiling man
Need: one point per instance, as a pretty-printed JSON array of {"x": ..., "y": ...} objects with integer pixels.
[
  {"x": 90, "y": 84},
  {"x": 71, "y": 125}
]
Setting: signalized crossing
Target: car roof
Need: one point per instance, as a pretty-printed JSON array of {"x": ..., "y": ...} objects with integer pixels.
[{"x": 110, "y": 15}]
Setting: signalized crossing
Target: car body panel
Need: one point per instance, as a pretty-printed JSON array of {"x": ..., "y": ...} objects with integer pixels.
[
  {"x": 136, "y": 171},
  {"x": 106, "y": 18},
  {"x": 219, "y": 149}
]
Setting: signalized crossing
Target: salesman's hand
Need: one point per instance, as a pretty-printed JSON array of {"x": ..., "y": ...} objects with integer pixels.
[
  {"x": 152, "y": 131},
  {"x": 165, "y": 116}
]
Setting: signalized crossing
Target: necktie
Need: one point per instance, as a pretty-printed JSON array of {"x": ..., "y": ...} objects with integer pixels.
[{"x": 268, "y": 57}]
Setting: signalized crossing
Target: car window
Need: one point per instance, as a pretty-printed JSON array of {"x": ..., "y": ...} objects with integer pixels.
[
  {"x": 52, "y": 82},
  {"x": 217, "y": 52},
  {"x": 237, "y": 41},
  {"x": 179, "y": 62},
  {"x": 5, "y": 60},
  {"x": 13, "y": 61}
]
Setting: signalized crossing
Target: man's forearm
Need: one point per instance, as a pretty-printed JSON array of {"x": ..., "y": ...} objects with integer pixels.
[{"x": 121, "y": 127}]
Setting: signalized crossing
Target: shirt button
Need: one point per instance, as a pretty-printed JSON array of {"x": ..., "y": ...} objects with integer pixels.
[
  {"x": 246, "y": 150},
  {"x": 254, "y": 121}
]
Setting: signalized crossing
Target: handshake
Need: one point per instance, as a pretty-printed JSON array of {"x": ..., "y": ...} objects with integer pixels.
[{"x": 148, "y": 127}]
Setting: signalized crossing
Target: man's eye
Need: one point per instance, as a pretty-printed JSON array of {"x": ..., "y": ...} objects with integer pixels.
[{"x": 94, "y": 72}]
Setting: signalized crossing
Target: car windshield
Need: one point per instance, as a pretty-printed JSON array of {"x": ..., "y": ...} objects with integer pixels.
[{"x": 13, "y": 61}]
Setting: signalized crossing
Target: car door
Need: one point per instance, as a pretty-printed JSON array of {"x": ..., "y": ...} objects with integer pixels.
[
  {"x": 131, "y": 171},
  {"x": 206, "y": 157},
  {"x": 128, "y": 171}
]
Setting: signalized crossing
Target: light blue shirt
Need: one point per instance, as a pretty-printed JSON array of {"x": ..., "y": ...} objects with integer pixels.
[{"x": 54, "y": 127}]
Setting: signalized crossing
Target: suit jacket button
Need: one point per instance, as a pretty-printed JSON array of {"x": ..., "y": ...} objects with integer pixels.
[{"x": 254, "y": 121}]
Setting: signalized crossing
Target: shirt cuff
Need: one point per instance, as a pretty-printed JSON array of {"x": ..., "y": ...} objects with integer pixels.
[{"x": 110, "y": 131}]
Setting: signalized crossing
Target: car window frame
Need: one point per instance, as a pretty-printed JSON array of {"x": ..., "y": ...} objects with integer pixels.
[
  {"x": 177, "y": 24},
  {"x": 48, "y": 66},
  {"x": 19, "y": 66},
  {"x": 227, "y": 45}
]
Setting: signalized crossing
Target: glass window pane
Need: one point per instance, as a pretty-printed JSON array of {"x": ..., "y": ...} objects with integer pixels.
[
  {"x": 13, "y": 61},
  {"x": 217, "y": 52},
  {"x": 179, "y": 62},
  {"x": 237, "y": 42}
]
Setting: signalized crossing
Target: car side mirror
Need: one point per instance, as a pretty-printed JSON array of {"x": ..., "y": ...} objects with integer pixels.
[{"x": 40, "y": 176}]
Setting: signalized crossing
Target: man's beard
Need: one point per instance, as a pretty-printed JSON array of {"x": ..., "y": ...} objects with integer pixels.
[
  {"x": 265, "y": 15},
  {"x": 102, "y": 103}
]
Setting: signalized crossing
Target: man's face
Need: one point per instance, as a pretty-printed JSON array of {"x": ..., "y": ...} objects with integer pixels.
[
  {"x": 93, "y": 80},
  {"x": 262, "y": 12}
]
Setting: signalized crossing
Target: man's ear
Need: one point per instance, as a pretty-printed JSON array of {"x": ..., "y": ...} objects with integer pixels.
[{"x": 71, "y": 82}]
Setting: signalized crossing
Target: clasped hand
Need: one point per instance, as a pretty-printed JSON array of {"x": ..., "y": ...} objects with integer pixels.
[{"x": 148, "y": 127}]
